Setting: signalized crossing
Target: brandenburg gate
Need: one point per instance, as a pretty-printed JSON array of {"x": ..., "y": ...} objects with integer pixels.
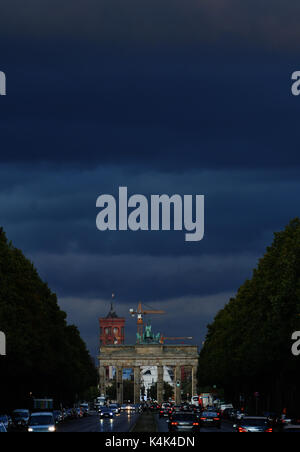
[{"x": 141, "y": 355}]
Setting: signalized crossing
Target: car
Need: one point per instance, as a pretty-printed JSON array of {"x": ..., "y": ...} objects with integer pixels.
[
  {"x": 210, "y": 418},
  {"x": 274, "y": 420},
  {"x": 106, "y": 413},
  {"x": 84, "y": 408},
  {"x": 78, "y": 413},
  {"x": 58, "y": 416},
  {"x": 239, "y": 415},
  {"x": 128, "y": 407},
  {"x": 184, "y": 422},
  {"x": 4, "y": 420},
  {"x": 165, "y": 412},
  {"x": 20, "y": 418},
  {"x": 42, "y": 422},
  {"x": 154, "y": 407},
  {"x": 2, "y": 428},
  {"x": 186, "y": 407},
  {"x": 176, "y": 409},
  {"x": 166, "y": 405},
  {"x": 225, "y": 406},
  {"x": 10, "y": 422},
  {"x": 115, "y": 408},
  {"x": 293, "y": 427},
  {"x": 228, "y": 413},
  {"x": 253, "y": 424}
]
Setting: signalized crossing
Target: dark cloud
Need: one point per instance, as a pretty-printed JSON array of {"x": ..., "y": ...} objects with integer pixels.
[
  {"x": 169, "y": 112},
  {"x": 163, "y": 97},
  {"x": 52, "y": 211},
  {"x": 268, "y": 24},
  {"x": 144, "y": 276}
]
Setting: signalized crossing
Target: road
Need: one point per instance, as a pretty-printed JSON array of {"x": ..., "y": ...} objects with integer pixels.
[
  {"x": 121, "y": 423},
  {"x": 163, "y": 426}
]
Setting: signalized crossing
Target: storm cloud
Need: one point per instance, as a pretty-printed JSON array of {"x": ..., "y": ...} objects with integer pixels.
[{"x": 162, "y": 97}]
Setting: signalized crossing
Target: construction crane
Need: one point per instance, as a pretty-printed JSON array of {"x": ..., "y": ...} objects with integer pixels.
[
  {"x": 140, "y": 312},
  {"x": 163, "y": 339}
]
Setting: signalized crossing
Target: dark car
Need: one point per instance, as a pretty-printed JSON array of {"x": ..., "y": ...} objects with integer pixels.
[
  {"x": 186, "y": 408},
  {"x": 229, "y": 413},
  {"x": 58, "y": 417},
  {"x": 154, "y": 407},
  {"x": 176, "y": 409},
  {"x": 115, "y": 408},
  {"x": 274, "y": 420},
  {"x": 165, "y": 412},
  {"x": 106, "y": 412},
  {"x": 20, "y": 418},
  {"x": 293, "y": 427},
  {"x": 253, "y": 424},
  {"x": 195, "y": 409},
  {"x": 184, "y": 422},
  {"x": 210, "y": 419}
]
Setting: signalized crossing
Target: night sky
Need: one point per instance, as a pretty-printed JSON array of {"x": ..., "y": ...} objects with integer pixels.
[{"x": 162, "y": 96}]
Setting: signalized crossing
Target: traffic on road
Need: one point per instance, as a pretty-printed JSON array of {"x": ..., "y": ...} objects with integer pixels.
[{"x": 111, "y": 417}]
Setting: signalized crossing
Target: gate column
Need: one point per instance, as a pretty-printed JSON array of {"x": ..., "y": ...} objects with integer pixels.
[
  {"x": 160, "y": 384},
  {"x": 119, "y": 377},
  {"x": 177, "y": 385},
  {"x": 137, "y": 385}
]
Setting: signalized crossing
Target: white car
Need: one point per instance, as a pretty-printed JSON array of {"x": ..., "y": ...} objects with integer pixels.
[
  {"x": 2, "y": 428},
  {"x": 41, "y": 422}
]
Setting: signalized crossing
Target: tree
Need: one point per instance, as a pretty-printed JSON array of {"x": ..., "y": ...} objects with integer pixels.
[
  {"x": 45, "y": 356},
  {"x": 248, "y": 346}
]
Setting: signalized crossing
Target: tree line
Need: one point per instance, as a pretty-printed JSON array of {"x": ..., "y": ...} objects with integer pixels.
[
  {"x": 247, "y": 351},
  {"x": 45, "y": 355}
]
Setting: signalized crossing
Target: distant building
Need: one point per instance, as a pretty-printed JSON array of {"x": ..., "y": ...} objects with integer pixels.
[
  {"x": 112, "y": 332},
  {"x": 112, "y": 328}
]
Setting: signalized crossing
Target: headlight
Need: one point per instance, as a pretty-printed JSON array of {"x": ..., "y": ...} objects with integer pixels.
[
  {"x": 30, "y": 429},
  {"x": 51, "y": 429}
]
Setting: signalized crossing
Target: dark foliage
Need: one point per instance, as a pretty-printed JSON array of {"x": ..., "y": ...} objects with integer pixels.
[
  {"x": 45, "y": 356},
  {"x": 248, "y": 346}
]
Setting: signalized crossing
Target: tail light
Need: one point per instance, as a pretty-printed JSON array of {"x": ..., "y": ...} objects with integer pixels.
[
  {"x": 241, "y": 429},
  {"x": 196, "y": 423},
  {"x": 216, "y": 418},
  {"x": 269, "y": 430},
  {"x": 203, "y": 418},
  {"x": 174, "y": 423}
]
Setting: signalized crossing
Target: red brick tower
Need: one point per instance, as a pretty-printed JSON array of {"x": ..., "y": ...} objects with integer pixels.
[{"x": 112, "y": 329}]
